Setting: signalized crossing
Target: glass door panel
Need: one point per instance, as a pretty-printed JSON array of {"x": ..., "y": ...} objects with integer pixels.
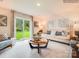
[
  {"x": 19, "y": 28},
  {"x": 26, "y": 29},
  {"x": 23, "y": 28}
]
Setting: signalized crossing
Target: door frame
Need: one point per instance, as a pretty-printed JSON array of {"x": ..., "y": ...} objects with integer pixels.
[{"x": 31, "y": 29}]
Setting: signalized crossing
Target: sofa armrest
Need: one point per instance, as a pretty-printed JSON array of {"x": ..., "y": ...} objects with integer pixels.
[{"x": 4, "y": 44}]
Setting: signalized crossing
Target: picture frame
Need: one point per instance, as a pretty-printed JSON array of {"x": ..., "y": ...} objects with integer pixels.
[
  {"x": 3, "y": 20},
  {"x": 36, "y": 24}
]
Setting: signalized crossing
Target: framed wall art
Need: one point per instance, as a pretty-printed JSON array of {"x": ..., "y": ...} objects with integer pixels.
[
  {"x": 36, "y": 24},
  {"x": 3, "y": 20}
]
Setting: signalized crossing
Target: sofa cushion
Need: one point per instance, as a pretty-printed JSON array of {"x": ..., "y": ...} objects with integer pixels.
[
  {"x": 58, "y": 33},
  {"x": 65, "y": 33},
  {"x": 4, "y": 44},
  {"x": 48, "y": 32},
  {"x": 5, "y": 39},
  {"x": 53, "y": 33}
]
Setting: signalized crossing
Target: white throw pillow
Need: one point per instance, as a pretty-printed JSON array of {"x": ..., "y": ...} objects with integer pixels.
[{"x": 53, "y": 33}]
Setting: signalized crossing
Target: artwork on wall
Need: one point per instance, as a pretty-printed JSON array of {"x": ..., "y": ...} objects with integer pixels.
[
  {"x": 36, "y": 24},
  {"x": 62, "y": 23},
  {"x": 3, "y": 20}
]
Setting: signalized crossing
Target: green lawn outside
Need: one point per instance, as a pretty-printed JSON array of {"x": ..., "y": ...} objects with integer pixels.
[{"x": 20, "y": 34}]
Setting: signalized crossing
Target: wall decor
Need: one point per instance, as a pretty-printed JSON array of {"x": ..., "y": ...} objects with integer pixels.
[
  {"x": 63, "y": 22},
  {"x": 36, "y": 24},
  {"x": 3, "y": 20},
  {"x": 59, "y": 23}
]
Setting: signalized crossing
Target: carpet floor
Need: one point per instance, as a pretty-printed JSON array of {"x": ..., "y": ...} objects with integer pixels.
[{"x": 22, "y": 49}]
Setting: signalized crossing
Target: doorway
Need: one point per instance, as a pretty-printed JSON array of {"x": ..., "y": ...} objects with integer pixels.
[{"x": 23, "y": 28}]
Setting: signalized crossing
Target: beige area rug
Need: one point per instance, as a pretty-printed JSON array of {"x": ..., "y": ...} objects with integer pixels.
[{"x": 22, "y": 50}]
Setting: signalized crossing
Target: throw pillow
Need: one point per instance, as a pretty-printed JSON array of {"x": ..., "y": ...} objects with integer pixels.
[{"x": 58, "y": 33}]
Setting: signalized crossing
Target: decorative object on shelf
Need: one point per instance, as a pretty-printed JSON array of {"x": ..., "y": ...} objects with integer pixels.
[{"x": 3, "y": 20}]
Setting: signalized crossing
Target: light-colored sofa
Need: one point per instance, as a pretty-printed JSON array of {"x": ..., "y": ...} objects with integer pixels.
[
  {"x": 5, "y": 42},
  {"x": 62, "y": 38}
]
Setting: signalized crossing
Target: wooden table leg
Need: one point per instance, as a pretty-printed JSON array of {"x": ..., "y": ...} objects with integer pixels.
[{"x": 38, "y": 49}]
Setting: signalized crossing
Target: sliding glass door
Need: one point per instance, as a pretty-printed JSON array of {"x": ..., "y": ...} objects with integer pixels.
[
  {"x": 26, "y": 29},
  {"x": 23, "y": 28},
  {"x": 19, "y": 28}
]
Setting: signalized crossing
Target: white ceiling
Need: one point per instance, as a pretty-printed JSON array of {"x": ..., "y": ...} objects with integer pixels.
[{"x": 48, "y": 7}]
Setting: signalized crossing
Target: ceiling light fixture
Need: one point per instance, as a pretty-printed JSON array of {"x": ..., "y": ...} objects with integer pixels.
[{"x": 38, "y": 4}]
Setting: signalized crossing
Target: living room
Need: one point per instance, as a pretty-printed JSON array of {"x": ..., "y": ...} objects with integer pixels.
[{"x": 39, "y": 29}]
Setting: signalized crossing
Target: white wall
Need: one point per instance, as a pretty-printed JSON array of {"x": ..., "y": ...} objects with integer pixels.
[
  {"x": 72, "y": 19},
  {"x": 42, "y": 22}
]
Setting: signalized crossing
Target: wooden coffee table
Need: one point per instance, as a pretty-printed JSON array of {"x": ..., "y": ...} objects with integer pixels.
[{"x": 41, "y": 43}]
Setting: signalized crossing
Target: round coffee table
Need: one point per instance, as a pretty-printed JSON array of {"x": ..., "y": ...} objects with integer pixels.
[{"x": 41, "y": 43}]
